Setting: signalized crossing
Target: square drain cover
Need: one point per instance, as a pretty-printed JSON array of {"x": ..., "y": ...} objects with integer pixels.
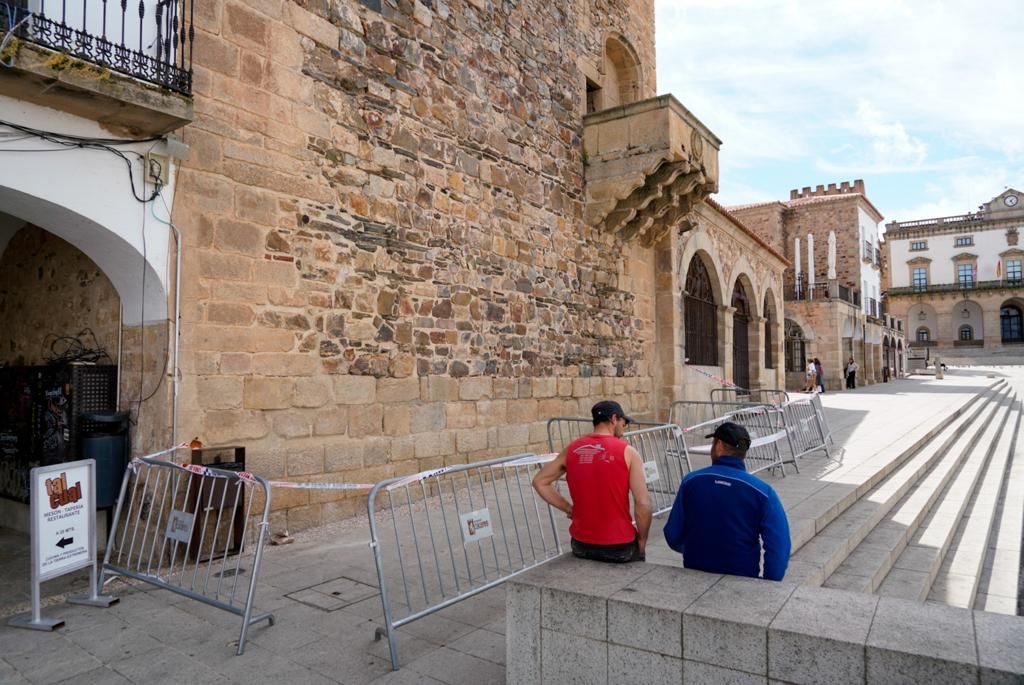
[{"x": 334, "y": 594}]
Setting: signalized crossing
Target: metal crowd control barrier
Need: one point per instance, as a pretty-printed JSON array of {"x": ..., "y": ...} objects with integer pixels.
[
  {"x": 687, "y": 413},
  {"x": 662, "y": 448},
  {"x": 190, "y": 529},
  {"x": 767, "y": 428},
  {"x": 758, "y": 396},
  {"x": 441, "y": 536},
  {"x": 808, "y": 428}
]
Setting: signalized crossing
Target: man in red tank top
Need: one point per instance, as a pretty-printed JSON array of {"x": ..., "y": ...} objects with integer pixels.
[{"x": 602, "y": 470}]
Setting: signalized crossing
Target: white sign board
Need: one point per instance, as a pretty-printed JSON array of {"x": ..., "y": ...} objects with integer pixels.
[
  {"x": 650, "y": 471},
  {"x": 476, "y": 525},
  {"x": 63, "y": 502},
  {"x": 179, "y": 526}
]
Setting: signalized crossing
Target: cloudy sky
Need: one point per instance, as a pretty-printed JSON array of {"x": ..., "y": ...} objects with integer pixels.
[{"x": 923, "y": 99}]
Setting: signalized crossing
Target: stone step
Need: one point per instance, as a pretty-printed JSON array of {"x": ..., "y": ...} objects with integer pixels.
[
  {"x": 869, "y": 562},
  {"x": 956, "y": 583},
  {"x": 812, "y": 505},
  {"x": 999, "y": 584},
  {"x": 891, "y": 477},
  {"x": 914, "y": 571}
]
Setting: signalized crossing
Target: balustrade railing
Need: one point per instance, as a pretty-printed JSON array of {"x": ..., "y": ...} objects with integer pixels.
[{"x": 151, "y": 40}]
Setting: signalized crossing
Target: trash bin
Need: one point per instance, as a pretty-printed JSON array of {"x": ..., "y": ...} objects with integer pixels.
[{"x": 107, "y": 442}]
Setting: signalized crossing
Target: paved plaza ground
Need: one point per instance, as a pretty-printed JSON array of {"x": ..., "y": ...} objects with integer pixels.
[{"x": 153, "y": 636}]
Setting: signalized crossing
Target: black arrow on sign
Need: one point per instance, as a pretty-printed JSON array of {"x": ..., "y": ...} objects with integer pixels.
[{"x": 64, "y": 542}]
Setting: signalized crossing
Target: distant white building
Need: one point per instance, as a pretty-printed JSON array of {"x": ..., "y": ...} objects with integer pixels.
[{"x": 956, "y": 281}]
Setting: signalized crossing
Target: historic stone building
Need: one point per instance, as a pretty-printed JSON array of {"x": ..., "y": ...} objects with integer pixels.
[
  {"x": 408, "y": 232},
  {"x": 956, "y": 282},
  {"x": 833, "y": 307}
]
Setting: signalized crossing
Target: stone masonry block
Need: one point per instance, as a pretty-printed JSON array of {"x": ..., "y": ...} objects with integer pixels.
[
  {"x": 728, "y": 625},
  {"x": 397, "y": 419},
  {"x": 439, "y": 389},
  {"x": 350, "y": 389},
  {"x": 819, "y": 635},
  {"x": 522, "y": 633},
  {"x": 292, "y": 424},
  {"x": 645, "y": 627},
  {"x": 471, "y": 440},
  {"x": 574, "y": 613},
  {"x": 268, "y": 393},
  {"x": 331, "y": 421},
  {"x": 699, "y": 673},
  {"x": 277, "y": 364},
  {"x": 365, "y": 420},
  {"x": 522, "y": 411},
  {"x": 504, "y": 388},
  {"x": 398, "y": 389},
  {"x": 513, "y": 436},
  {"x": 312, "y": 392},
  {"x": 304, "y": 461},
  {"x": 628, "y": 665},
  {"x": 1000, "y": 647},
  {"x": 924, "y": 643},
  {"x": 648, "y": 613},
  {"x": 427, "y": 417},
  {"x": 572, "y": 660},
  {"x": 219, "y": 392},
  {"x": 545, "y": 387},
  {"x": 435, "y": 444},
  {"x": 460, "y": 414},
  {"x": 475, "y": 388}
]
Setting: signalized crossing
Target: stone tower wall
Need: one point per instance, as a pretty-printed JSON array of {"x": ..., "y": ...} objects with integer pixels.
[{"x": 385, "y": 266}]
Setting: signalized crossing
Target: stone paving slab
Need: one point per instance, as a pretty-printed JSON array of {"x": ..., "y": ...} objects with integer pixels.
[{"x": 153, "y": 636}]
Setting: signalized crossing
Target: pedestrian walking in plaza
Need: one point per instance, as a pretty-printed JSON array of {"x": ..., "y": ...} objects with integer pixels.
[
  {"x": 810, "y": 376},
  {"x": 819, "y": 376},
  {"x": 602, "y": 471},
  {"x": 851, "y": 374},
  {"x": 723, "y": 517}
]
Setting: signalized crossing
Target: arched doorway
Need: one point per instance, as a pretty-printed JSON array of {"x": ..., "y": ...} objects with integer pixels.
[
  {"x": 740, "y": 337},
  {"x": 899, "y": 359},
  {"x": 886, "y": 357},
  {"x": 1011, "y": 323},
  {"x": 769, "y": 328}
]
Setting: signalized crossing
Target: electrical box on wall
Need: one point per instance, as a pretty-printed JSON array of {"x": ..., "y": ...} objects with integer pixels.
[{"x": 158, "y": 168}]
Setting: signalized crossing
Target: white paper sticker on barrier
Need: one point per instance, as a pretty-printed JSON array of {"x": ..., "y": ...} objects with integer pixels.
[
  {"x": 650, "y": 471},
  {"x": 476, "y": 525},
  {"x": 179, "y": 526}
]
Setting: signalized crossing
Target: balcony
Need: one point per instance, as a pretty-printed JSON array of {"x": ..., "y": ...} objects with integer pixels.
[
  {"x": 126, "y": 66},
  {"x": 869, "y": 253},
  {"x": 800, "y": 291},
  {"x": 999, "y": 284},
  {"x": 648, "y": 164}
]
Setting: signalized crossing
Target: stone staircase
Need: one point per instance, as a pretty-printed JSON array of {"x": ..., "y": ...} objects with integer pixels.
[{"x": 937, "y": 518}]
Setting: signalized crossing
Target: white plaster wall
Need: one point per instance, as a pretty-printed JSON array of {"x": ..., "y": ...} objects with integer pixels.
[
  {"x": 988, "y": 244},
  {"x": 870, "y": 275},
  {"x": 84, "y": 197}
]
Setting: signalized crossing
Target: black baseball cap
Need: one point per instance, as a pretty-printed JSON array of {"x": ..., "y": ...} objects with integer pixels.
[
  {"x": 606, "y": 409},
  {"x": 732, "y": 434}
]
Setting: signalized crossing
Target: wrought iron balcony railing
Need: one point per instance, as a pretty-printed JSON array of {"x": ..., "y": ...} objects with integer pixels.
[
  {"x": 1000, "y": 284},
  {"x": 151, "y": 40}
]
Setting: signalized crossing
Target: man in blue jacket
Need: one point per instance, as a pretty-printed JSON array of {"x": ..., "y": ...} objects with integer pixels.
[{"x": 722, "y": 515}]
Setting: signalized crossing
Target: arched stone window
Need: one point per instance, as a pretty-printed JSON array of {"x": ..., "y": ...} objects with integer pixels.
[
  {"x": 923, "y": 334},
  {"x": 622, "y": 73},
  {"x": 769, "y": 323},
  {"x": 700, "y": 316},
  {"x": 796, "y": 347},
  {"x": 965, "y": 333},
  {"x": 1010, "y": 323},
  {"x": 740, "y": 337}
]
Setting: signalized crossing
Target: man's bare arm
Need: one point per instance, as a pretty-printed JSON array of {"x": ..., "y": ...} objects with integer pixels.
[
  {"x": 544, "y": 484},
  {"x": 641, "y": 498}
]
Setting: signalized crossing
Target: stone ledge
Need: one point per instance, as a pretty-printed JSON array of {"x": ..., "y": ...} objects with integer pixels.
[
  {"x": 713, "y": 628},
  {"x": 124, "y": 105}
]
